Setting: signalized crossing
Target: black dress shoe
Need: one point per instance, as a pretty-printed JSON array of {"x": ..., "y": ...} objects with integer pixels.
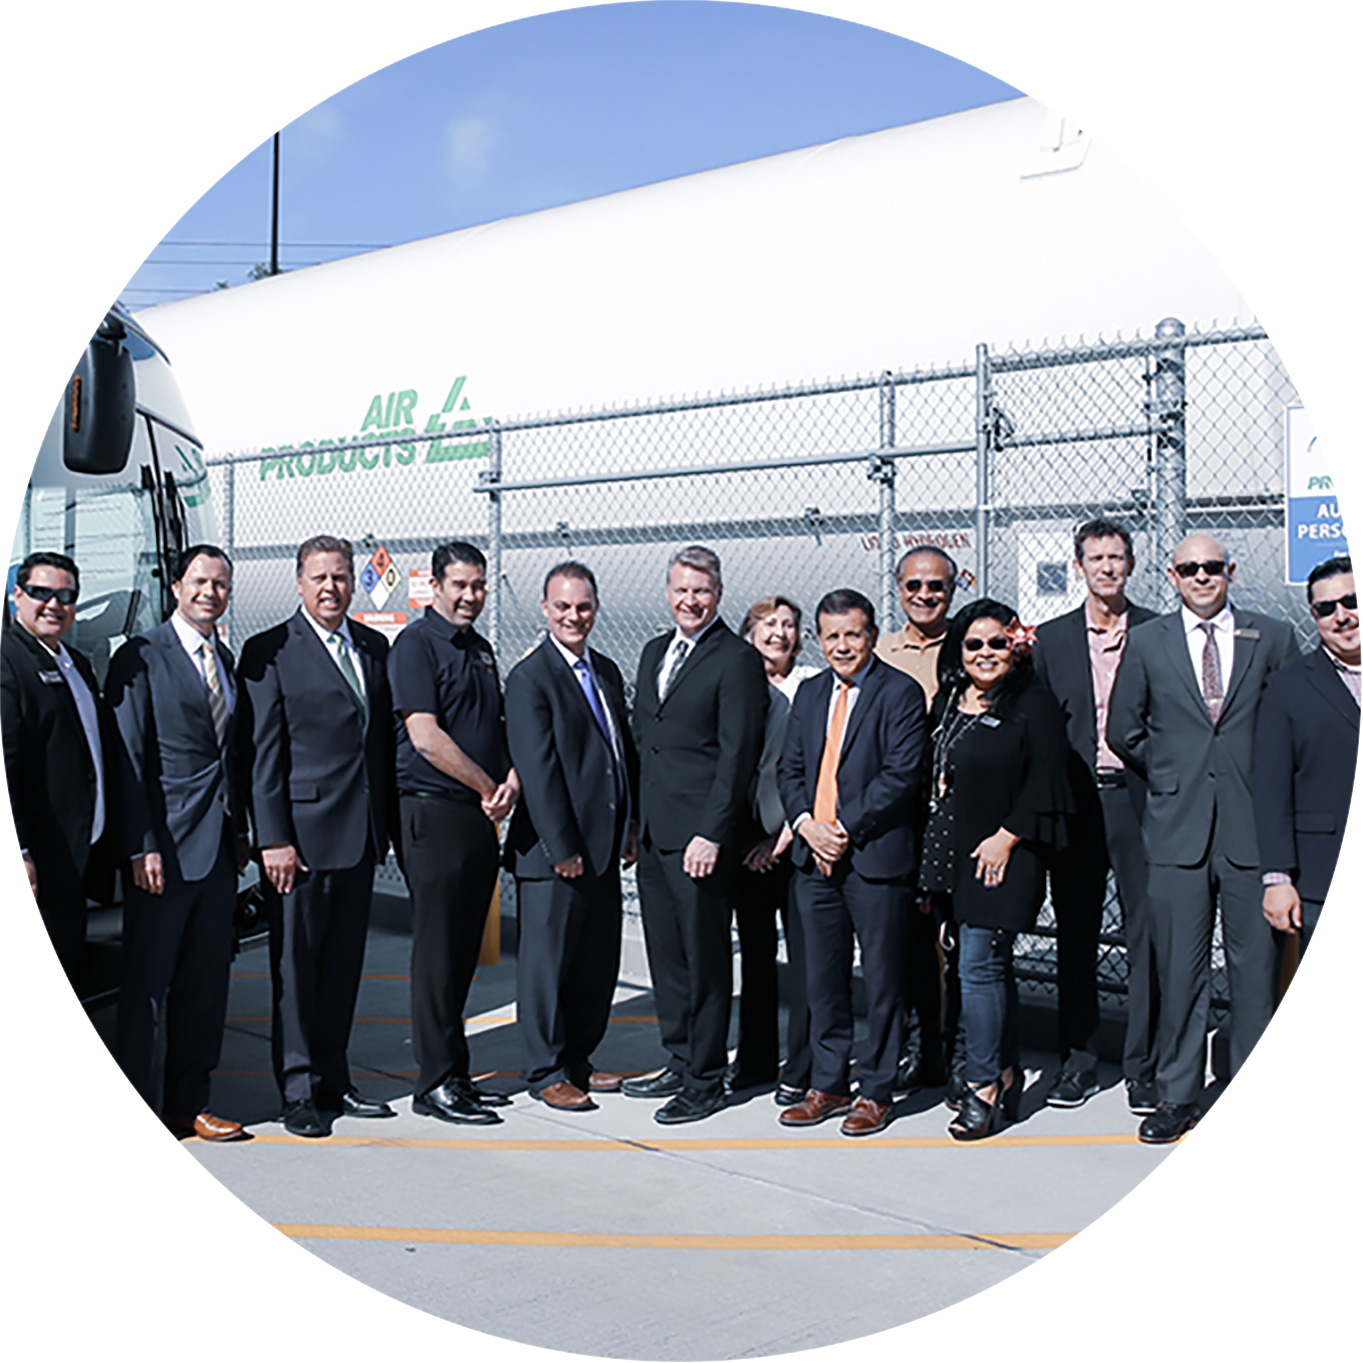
[
  {"x": 1073, "y": 1088},
  {"x": 355, "y": 1104},
  {"x": 1142, "y": 1097},
  {"x": 787, "y": 1095},
  {"x": 452, "y": 1104},
  {"x": 688, "y": 1106},
  {"x": 483, "y": 1097},
  {"x": 914, "y": 1074},
  {"x": 301, "y": 1118},
  {"x": 1254, "y": 1134},
  {"x": 665, "y": 1084},
  {"x": 1168, "y": 1122},
  {"x": 29, "y": 1163},
  {"x": 55, "y": 1141}
]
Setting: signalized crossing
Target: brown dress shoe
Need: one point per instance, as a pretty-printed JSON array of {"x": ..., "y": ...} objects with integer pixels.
[
  {"x": 1317, "y": 1146},
  {"x": 207, "y": 1127},
  {"x": 565, "y": 1096},
  {"x": 600, "y": 1082},
  {"x": 817, "y": 1107},
  {"x": 866, "y": 1118},
  {"x": 139, "y": 1142}
]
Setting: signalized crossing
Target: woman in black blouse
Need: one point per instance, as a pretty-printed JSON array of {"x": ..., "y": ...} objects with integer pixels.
[{"x": 997, "y": 797}]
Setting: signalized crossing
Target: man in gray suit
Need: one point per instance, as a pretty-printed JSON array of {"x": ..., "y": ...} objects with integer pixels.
[
  {"x": 173, "y": 695},
  {"x": 1182, "y": 718}
]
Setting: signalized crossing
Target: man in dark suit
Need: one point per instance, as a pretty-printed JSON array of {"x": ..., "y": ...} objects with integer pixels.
[
  {"x": 174, "y": 700},
  {"x": 455, "y": 785},
  {"x": 56, "y": 734},
  {"x": 317, "y": 762},
  {"x": 568, "y": 731},
  {"x": 1182, "y": 717},
  {"x": 848, "y": 776},
  {"x": 1077, "y": 656},
  {"x": 1305, "y": 750},
  {"x": 700, "y": 709}
]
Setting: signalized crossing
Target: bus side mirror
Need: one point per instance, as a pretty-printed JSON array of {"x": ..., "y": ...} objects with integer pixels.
[{"x": 101, "y": 405}]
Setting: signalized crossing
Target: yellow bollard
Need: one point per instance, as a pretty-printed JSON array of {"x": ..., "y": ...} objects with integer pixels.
[{"x": 1287, "y": 1091}]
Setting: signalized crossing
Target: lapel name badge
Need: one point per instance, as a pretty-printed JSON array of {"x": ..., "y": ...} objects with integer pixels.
[
  {"x": 1246, "y": 634},
  {"x": 990, "y": 721},
  {"x": 51, "y": 678}
]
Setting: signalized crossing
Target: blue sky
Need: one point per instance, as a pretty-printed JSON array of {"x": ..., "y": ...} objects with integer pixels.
[{"x": 550, "y": 110}]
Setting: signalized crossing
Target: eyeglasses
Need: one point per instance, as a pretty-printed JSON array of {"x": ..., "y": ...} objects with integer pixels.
[
  {"x": 1000, "y": 643},
  {"x": 1213, "y": 567},
  {"x": 66, "y": 596},
  {"x": 933, "y": 584},
  {"x": 1323, "y": 610}
]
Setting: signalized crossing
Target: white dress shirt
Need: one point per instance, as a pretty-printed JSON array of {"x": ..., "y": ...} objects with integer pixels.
[
  {"x": 193, "y": 641},
  {"x": 679, "y": 638},
  {"x": 345, "y": 644},
  {"x": 575, "y": 663}
]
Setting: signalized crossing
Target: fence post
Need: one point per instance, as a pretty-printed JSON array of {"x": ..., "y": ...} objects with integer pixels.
[
  {"x": 492, "y": 475},
  {"x": 229, "y": 532},
  {"x": 883, "y": 472},
  {"x": 1168, "y": 416},
  {"x": 983, "y": 405}
]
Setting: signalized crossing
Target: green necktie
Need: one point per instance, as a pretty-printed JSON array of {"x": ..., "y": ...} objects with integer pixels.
[{"x": 347, "y": 667}]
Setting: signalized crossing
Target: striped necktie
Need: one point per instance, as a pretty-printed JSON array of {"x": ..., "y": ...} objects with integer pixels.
[
  {"x": 217, "y": 701},
  {"x": 337, "y": 640}
]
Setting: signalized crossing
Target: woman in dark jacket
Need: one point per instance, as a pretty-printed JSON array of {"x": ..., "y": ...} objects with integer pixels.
[{"x": 997, "y": 799}]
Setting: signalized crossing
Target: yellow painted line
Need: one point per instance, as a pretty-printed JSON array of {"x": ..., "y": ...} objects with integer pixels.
[
  {"x": 588, "y": 1240},
  {"x": 606, "y": 1143},
  {"x": 116, "y": 1351}
]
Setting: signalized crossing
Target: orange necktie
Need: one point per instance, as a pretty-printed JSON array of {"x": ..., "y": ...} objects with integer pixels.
[{"x": 826, "y": 790}]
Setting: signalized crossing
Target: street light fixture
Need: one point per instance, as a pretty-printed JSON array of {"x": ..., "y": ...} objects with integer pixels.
[{"x": 248, "y": 102}]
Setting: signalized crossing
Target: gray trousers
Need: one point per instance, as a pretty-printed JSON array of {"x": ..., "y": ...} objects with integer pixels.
[{"x": 1183, "y": 904}]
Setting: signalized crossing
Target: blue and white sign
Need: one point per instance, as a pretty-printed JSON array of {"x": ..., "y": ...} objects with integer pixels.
[{"x": 1315, "y": 529}]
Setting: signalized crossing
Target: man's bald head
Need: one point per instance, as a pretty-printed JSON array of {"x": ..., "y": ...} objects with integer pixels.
[{"x": 1202, "y": 574}]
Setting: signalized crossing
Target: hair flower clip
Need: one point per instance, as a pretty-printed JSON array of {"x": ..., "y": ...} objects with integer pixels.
[{"x": 1022, "y": 637}]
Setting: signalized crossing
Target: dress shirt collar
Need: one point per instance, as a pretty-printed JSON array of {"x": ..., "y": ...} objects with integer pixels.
[
  {"x": 570, "y": 657},
  {"x": 1117, "y": 630},
  {"x": 857, "y": 677},
  {"x": 190, "y": 637},
  {"x": 1222, "y": 622},
  {"x": 323, "y": 633},
  {"x": 1355, "y": 668},
  {"x": 694, "y": 639}
]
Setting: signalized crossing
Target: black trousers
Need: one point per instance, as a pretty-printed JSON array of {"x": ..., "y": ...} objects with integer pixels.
[
  {"x": 1106, "y": 834},
  {"x": 317, "y": 939},
  {"x": 63, "y": 906},
  {"x": 925, "y": 1020},
  {"x": 567, "y": 965},
  {"x": 1329, "y": 964},
  {"x": 759, "y": 897},
  {"x": 1183, "y": 904},
  {"x": 833, "y": 908},
  {"x": 177, "y": 962},
  {"x": 690, "y": 959},
  {"x": 449, "y": 852}
]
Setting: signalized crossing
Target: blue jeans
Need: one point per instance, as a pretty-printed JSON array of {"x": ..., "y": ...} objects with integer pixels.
[{"x": 989, "y": 1002}]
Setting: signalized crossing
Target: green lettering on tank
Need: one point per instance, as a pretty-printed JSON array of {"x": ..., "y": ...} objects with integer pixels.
[{"x": 374, "y": 416}]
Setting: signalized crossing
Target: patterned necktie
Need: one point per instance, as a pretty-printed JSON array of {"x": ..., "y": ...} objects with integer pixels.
[
  {"x": 217, "y": 701},
  {"x": 676, "y": 656},
  {"x": 826, "y": 789},
  {"x": 1211, "y": 672},
  {"x": 337, "y": 640}
]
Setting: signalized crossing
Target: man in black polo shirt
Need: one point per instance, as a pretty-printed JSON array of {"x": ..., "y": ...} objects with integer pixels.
[{"x": 454, "y": 784}]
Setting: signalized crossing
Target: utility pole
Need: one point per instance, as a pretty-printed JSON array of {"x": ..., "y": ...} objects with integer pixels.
[
  {"x": 82, "y": 175},
  {"x": 274, "y": 214}
]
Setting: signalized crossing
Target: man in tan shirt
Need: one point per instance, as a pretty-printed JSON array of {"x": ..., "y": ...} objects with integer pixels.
[
  {"x": 927, "y": 581},
  {"x": 926, "y": 577}
]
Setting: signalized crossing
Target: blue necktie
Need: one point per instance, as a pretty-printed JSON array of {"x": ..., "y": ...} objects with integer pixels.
[{"x": 588, "y": 683}]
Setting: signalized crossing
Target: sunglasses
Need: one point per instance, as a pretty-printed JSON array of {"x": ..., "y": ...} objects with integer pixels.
[
  {"x": 1213, "y": 567},
  {"x": 1000, "y": 643},
  {"x": 66, "y": 596},
  {"x": 1323, "y": 610},
  {"x": 933, "y": 584}
]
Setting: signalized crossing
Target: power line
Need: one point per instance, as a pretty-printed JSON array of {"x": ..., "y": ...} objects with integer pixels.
[{"x": 306, "y": 245}]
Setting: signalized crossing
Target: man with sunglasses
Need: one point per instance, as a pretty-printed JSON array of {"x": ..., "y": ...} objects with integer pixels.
[
  {"x": 56, "y": 736},
  {"x": 1077, "y": 656},
  {"x": 926, "y": 578},
  {"x": 1182, "y": 718},
  {"x": 1305, "y": 749}
]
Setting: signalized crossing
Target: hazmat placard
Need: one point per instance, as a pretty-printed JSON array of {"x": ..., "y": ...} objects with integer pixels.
[{"x": 1324, "y": 461}]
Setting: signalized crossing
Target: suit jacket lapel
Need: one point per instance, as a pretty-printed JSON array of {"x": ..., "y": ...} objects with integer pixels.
[
  {"x": 1176, "y": 643},
  {"x": 1324, "y": 676},
  {"x": 1082, "y": 664},
  {"x": 688, "y": 665},
  {"x": 870, "y": 684},
  {"x": 1243, "y": 654}
]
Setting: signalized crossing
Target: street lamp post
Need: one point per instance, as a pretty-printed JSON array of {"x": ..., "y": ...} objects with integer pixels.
[{"x": 256, "y": 104}]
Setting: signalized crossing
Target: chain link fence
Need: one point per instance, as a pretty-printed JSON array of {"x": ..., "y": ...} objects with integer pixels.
[{"x": 805, "y": 488}]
